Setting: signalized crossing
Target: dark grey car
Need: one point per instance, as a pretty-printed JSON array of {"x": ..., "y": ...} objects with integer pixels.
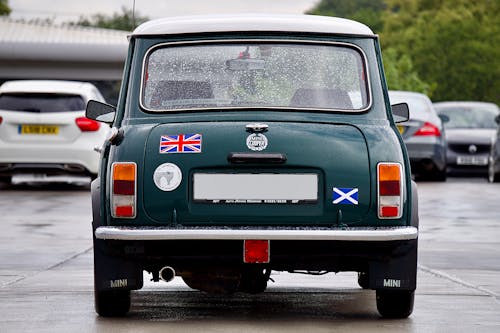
[
  {"x": 494, "y": 161},
  {"x": 471, "y": 131},
  {"x": 423, "y": 135}
]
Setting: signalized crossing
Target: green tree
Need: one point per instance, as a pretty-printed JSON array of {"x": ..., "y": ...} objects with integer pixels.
[
  {"x": 126, "y": 20},
  {"x": 4, "y": 7},
  {"x": 451, "y": 43},
  {"x": 399, "y": 69},
  {"x": 368, "y": 12},
  {"x": 401, "y": 74}
]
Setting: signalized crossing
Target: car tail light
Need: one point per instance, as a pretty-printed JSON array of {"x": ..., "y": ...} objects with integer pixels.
[
  {"x": 390, "y": 190},
  {"x": 428, "y": 129},
  {"x": 1, "y": 119},
  {"x": 87, "y": 125},
  {"x": 123, "y": 189}
]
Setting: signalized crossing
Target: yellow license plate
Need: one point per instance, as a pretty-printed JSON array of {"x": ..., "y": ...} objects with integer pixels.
[
  {"x": 401, "y": 129},
  {"x": 39, "y": 129}
]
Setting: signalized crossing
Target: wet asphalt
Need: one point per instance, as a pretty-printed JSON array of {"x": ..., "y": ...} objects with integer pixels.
[{"x": 46, "y": 281}]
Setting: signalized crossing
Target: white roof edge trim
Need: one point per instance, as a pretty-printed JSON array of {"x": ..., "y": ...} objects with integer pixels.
[
  {"x": 252, "y": 22},
  {"x": 375, "y": 235}
]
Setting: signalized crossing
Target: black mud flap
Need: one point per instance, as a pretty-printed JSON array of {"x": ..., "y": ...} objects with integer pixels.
[
  {"x": 114, "y": 273},
  {"x": 110, "y": 272},
  {"x": 398, "y": 272}
]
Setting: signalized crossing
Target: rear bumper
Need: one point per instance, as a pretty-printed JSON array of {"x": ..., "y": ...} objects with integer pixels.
[
  {"x": 77, "y": 157},
  {"x": 156, "y": 234},
  {"x": 388, "y": 254}
]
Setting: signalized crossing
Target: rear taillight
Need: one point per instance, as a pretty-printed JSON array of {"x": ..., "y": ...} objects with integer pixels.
[
  {"x": 123, "y": 189},
  {"x": 1, "y": 120},
  {"x": 390, "y": 190},
  {"x": 87, "y": 125},
  {"x": 428, "y": 129}
]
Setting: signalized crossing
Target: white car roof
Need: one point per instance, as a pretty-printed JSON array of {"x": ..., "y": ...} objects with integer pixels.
[
  {"x": 48, "y": 86},
  {"x": 465, "y": 104},
  {"x": 252, "y": 23}
]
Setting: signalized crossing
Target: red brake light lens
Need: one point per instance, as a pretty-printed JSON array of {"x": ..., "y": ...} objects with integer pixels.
[
  {"x": 428, "y": 130},
  {"x": 390, "y": 187},
  {"x": 123, "y": 187},
  {"x": 87, "y": 125}
]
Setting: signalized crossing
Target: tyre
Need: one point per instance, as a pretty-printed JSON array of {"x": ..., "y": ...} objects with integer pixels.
[
  {"x": 434, "y": 175},
  {"x": 395, "y": 304},
  {"x": 5, "y": 180},
  {"x": 440, "y": 175},
  {"x": 115, "y": 303},
  {"x": 363, "y": 280},
  {"x": 492, "y": 176}
]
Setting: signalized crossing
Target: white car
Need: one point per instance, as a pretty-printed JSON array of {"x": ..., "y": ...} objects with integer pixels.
[{"x": 43, "y": 128}]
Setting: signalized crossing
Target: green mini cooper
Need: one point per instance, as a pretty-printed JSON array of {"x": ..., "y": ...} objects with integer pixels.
[{"x": 251, "y": 143}]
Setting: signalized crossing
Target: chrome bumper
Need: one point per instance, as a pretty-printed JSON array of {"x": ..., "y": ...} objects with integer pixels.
[{"x": 358, "y": 234}]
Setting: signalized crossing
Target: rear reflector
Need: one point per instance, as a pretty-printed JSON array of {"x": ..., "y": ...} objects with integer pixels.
[
  {"x": 87, "y": 125},
  {"x": 390, "y": 189},
  {"x": 123, "y": 191},
  {"x": 256, "y": 251}
]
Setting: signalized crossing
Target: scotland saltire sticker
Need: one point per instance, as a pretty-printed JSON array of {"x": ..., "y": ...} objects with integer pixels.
[
  {"x": 345, "y": 196},
  {"x": 181, "y": 143}
]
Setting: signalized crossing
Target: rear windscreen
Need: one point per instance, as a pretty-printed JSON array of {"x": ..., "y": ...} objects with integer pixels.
[
  {"x": 41, "y": 103},
  {"x": 469, "y": 116},
  {"x": 255, "y": 74}
]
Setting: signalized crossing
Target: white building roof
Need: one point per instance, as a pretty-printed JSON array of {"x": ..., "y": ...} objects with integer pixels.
[
  {"x": 252, "y": 22},
  {"x": 38, "y": 41}
]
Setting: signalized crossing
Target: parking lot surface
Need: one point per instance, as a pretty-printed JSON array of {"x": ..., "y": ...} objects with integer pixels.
[{"x": 46, "y": 279}]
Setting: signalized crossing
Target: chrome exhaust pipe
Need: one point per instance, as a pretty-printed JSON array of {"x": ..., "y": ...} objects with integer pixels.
[{"x": 167, "y": 273}]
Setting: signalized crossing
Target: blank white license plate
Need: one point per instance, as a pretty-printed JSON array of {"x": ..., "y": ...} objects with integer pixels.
[
  {"x": 255, "y": 188},
  {"x": 472, "y": 160}
]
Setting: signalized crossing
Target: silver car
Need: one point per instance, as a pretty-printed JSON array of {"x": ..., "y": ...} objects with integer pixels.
[
  {"x": 423, "y": 135},
  {"x": 471, "y": 130}
]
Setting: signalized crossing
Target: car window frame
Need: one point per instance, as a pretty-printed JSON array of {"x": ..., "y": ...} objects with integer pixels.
[{"x": 363, "y": 56}]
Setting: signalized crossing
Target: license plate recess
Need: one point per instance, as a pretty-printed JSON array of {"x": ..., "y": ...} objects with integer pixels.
[{"x": 259, "y": 188}]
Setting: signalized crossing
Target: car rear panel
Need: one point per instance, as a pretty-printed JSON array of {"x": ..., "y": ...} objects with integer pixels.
[
  {"x": 34, "y": 128},
  {"x": 218, "y": 190}
]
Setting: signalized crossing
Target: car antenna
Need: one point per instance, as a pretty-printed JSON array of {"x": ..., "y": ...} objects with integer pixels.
[{"x": 133, "y": 15}]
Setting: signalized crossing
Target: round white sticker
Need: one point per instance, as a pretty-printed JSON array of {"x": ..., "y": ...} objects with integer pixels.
[
  {"x": 167, "y": 177},
  {"x": 256, "y": 142}
]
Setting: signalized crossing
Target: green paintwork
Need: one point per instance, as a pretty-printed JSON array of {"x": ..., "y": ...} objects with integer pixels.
[{"x": 342, "y": 148}]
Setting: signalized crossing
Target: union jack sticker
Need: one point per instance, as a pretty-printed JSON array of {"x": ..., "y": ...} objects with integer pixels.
[{"x": 181, "y": 143}]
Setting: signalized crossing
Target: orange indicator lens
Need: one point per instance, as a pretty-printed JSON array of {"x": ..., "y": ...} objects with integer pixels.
[
  {"x": 389, "y": 172},
  {"x": 124, "y": 171}
]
